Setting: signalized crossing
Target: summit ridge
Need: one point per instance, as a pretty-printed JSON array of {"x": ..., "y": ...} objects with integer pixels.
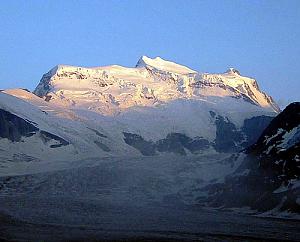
[{"x": 152, "y": 82}]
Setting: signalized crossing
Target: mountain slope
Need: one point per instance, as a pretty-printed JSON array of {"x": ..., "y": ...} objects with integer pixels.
[{"x": 269, "y": 178}]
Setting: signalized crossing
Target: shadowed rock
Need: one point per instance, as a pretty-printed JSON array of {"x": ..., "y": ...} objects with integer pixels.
[{"x": 13, "y": 127}]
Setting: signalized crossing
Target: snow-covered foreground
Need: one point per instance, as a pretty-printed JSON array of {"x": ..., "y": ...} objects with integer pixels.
[{"x": 118, "y": 199}]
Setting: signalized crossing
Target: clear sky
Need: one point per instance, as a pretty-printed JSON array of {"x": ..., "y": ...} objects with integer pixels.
[{"x": 259, "y": 38}]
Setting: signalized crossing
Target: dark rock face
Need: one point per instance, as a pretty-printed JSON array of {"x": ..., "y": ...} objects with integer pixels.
[
  {"x": 98, "y": 133},
  {"x": 177, "y": 143},
  {"x": 174, "y": 143},
  {"x": 268, "y": 176},
  {"x": 13, "y": 127},
  {"x": 254, "y": 127},
  {"x": 147, "y": 148},
  {"x": 44, "y": 86},
  {"x": 227, "y": 135},
  {"x": 102, "y": 146},
  {"x": 46, "y": 136},
  {"x": 231, "y": 139},
  {"x": 212, "y": 114},
  {"x": 288, "y": 119},
  {"x": 278, "y": 147}
]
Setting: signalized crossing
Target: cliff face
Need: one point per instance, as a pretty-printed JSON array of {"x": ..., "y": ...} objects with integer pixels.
[{"x": 278, "y": 148}]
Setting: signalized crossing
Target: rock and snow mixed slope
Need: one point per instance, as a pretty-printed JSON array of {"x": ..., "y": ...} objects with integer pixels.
[
  {"x": 268, "y": 179},
  {"x": 34, "y": 131}
]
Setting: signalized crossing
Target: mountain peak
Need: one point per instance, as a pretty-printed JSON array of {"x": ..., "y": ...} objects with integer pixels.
[
  {"x": 164, "y": 65},
  {"x": 233, "y": 71}
]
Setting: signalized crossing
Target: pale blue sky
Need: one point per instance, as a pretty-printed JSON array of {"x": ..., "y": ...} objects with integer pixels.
[{"x": 259, "y": 38}]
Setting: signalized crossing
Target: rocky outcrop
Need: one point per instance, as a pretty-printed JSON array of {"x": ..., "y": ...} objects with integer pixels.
[
  {"x": 229, "y": 138},
  {"x": 176, "y": 143},
  {"x": 14, "y": 128},
  {"x": 253, "y": 128},
  {"x": 227, "y": 135}
]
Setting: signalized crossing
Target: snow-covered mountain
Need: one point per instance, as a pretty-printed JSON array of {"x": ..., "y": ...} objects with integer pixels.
[
  {"x": 153, "y": 133},
  {"x": 154, "y": 108},
  {"x": 113, "y": 89}
]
